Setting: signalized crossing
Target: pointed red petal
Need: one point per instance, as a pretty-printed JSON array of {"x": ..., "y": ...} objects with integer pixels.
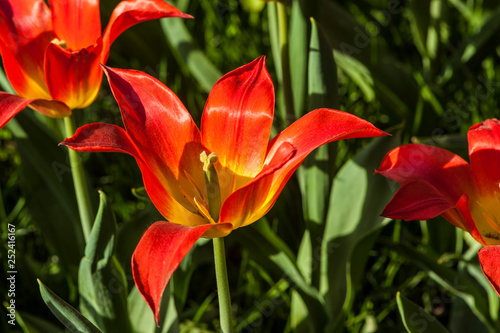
[
  {"x": 129, "y": 13},
  {"x": 447, "y": 172},
  {"x": 484, "y": 152},
  {"x": 316, "y": 128},
  {"x": 73, "y": 77},
  {"x": 161, "y": 129},
  {"x": 10, "y": 105},
  {"x": 489, "y": 258},
  {"x": 238, "y": 116},
  {"x": 101, "y": 137},
  {"x": 77, "y": 22},
  {"x": 417, "y": 200},
  {"x": 254, "y": 200},
  {"x": 158, "y": 255},
  {"x": 25, "y": 32}
]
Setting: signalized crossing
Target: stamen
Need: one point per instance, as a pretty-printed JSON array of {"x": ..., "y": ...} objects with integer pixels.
[{"x": 60, "y": 42}]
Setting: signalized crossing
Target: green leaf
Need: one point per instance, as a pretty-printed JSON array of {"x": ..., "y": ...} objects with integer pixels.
[
  {"x": 101, "y": 280},
  {"x": 66, "y": 314},
  {"x": 188, "y": 54},
  {"x": 357, "y": 199},
  {"x": 48, "y": 188},
  {"x": 298, "y": 46},
  {"x": 415, "y": 319}
]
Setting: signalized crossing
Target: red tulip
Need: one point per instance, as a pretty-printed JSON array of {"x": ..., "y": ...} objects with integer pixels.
[
  {"x": 436, "y": 182},
  {"x": 167, "y": 145},
  {"x": 51, "y": 56}
]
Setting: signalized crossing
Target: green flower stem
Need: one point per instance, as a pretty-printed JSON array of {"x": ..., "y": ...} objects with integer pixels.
[
  {"x": 226, "y": 321},
  {"x": 81, "y": 190}
]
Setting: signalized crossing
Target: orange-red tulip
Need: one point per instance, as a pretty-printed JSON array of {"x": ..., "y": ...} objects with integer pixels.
[
  {"x": 166, "y": 143},
  {"x": 436, "y": 182},
  {"x": 51, "y": 55}
]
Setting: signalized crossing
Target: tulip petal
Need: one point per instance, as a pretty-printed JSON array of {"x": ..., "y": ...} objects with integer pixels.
[
  {"x": 489, "y": 258},
  {"x": 131, "y": 12},
  {"x": 254, "y": 200},
  {"x": 158, "y": 255},
  {"x": 316, "y": 128},
  {"x": 51, "y": 108},
  {"x": 25, "y": 32},
  {"x": 162, "y": 130},
  {"x": 417, "y": 200},
  {"x": 10, "y": 105},
  {"x": 73, "y": 77},
  {"x": 447, "y": 172},
  {"x": 76, "y": 22},
  {"x": 484, "y": 152},
  {"x": 237, "y": 120},
  {"x": 100, "y": 137},
  {"x": 468, "y": 222}
]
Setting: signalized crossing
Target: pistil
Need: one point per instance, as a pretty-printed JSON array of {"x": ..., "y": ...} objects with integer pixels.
[{"x": 212, "y": 182}]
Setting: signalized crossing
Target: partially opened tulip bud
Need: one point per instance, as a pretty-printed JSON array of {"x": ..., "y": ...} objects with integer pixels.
[
  {"x": 231, "y": 153},
  {"x": 436, "y": 182}
]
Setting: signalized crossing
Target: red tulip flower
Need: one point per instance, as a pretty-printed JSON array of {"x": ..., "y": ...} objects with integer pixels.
[
  {"x": 174, "y": 155},
  {"x": 436, "y": 182},
  {"x": 51, "y": 55}
]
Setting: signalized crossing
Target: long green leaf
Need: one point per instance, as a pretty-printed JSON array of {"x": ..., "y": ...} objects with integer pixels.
[
  {"x": 356, "y": 201},
  {"x": 101, "y": 280},
  {"x": 189, "y": 54},
  {"x": 66, "y": 314}
]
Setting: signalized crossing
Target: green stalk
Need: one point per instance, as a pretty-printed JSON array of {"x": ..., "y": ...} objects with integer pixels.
[
  {"x": 81, "y": 190},
  {"x": 226, "y": 321}
]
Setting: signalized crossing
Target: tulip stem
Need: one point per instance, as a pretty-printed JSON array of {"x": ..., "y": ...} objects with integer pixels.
[
  {"x": 81, "y": 190},
  {"x": 226, "y": 321}
]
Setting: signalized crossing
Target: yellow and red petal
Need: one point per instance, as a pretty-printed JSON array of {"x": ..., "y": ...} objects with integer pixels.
[
  {"x": 417, "y": 200},
  {"x": 73, "y": 77},
  {"x": 130, "y": 12},
  {"x": 25, "y": 32},
  {"x": 162, "y": 130},
  {"x": 254, "y": 200},
  {"x": 447, "y": 172},
  {"x": 76, "y": 22},
  {"x": 470, "y": 225},
  {"x": 159, "y": 253},
  {"x": 237, "y": 120},
  {"x": 489, "y": 258},
  {"x": 484, "y": 153},
  {"x": 316, "y": 128},
  {"x": 51, "y": 108},
  {"x": 100, "y": 137}
]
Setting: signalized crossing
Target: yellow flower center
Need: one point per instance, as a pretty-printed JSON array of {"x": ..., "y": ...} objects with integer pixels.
[{"x": 486, "y": 215}]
